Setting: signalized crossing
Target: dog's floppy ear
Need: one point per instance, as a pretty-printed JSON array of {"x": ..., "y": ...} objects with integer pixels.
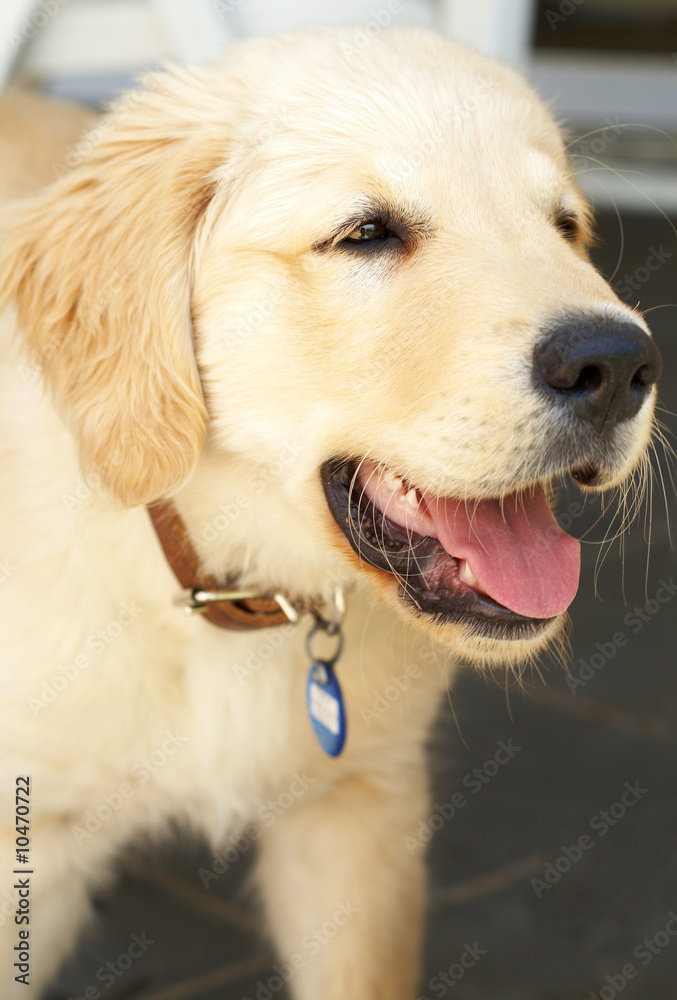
[{"x": 98, "y": 265}]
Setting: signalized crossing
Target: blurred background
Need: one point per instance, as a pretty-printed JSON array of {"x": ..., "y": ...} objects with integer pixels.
[{"x": 545, "y": 921}]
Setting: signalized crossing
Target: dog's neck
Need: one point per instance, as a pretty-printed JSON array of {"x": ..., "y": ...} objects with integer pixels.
[{"x": 242, "y": 610}]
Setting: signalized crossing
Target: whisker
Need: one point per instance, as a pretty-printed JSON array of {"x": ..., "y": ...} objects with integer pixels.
[{"x": 621, "y": 174}]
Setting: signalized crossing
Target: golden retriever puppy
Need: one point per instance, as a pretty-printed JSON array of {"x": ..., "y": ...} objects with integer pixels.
[{"x": 307, "y": 327}]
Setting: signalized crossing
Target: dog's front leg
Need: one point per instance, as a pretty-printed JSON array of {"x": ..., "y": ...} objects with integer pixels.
[{"x": 344, "y": 893}]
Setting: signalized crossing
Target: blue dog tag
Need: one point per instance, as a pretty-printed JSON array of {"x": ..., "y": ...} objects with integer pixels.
[{"x": 326, "y": 708}]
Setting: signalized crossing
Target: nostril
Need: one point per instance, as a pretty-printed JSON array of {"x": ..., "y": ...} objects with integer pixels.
[
  {"x": 601, "y": 370},
  {"x": 570, "y": 378},
  {"x": 589, "y": 380},
  {"x": 642, "y": 378}
]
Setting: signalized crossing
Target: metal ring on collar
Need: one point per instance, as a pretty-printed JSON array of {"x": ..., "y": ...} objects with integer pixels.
[{"x": 332, "y": 630}]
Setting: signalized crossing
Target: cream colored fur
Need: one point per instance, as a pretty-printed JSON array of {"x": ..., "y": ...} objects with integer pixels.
[{"x": 181, "y": 334}]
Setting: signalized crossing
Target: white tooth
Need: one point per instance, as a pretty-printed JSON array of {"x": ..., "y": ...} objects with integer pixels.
[
  {"x": 466, "y": 574},
  {"x": 411, "y": 498},
  {"x": 392, "y": 481}
]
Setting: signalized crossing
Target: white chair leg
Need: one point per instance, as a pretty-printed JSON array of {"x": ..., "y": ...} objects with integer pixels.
[{"x": 16, "y": 29}]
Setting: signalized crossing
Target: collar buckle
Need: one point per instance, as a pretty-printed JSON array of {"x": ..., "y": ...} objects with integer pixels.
[{"x": 197, "y": 600}]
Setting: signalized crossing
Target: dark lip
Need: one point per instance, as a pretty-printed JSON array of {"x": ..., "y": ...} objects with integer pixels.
[
  {"x": 413, "y": 560},
  {"x": 588, "y": 475}
]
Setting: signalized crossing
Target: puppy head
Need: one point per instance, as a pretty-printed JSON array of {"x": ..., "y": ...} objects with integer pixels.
[
  {"x": 98, "y": 266},
  {"x": 381, "y": 257},
  {"x": 394, "y": 276}
]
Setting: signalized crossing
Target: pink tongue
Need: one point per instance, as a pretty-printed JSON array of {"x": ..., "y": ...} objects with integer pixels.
[{"x": 518, "y": 553}]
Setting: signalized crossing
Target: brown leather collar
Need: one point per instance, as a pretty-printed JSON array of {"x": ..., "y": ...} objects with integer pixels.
[{"x": 241, "y": 612}]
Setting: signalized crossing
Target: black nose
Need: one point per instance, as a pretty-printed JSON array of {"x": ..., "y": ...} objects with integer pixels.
[{"x": 600, "y": 369}]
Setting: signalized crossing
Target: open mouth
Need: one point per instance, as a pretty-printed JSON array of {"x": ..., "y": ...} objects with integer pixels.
[{"x": 503, "y": 568}]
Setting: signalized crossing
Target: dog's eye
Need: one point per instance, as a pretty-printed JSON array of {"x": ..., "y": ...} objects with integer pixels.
[
  {"x": 383, "y": 233},
  {"x": 370, "y": 231},
  {"x": 568, "y": 225}
]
